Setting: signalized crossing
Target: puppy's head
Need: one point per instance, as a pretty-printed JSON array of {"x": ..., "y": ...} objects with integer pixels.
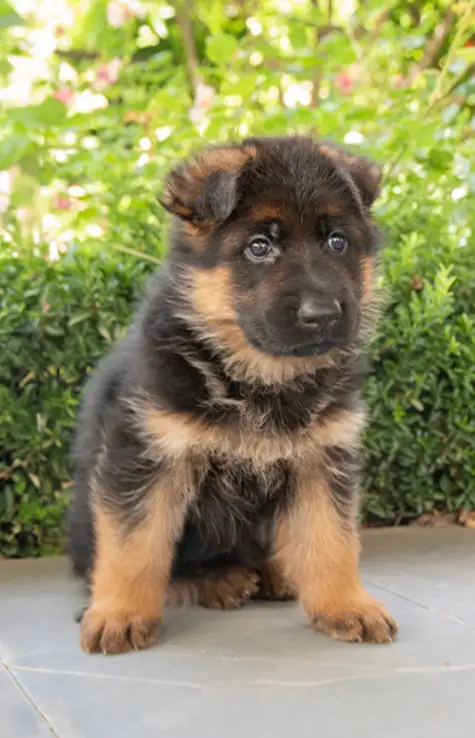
[{"x": 276, "y": 240}]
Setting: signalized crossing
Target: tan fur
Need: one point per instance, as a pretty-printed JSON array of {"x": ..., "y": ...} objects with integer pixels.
[
  {"x": 269, "y": 211},
  {"x": 193, "y": 232},
  {"x": 316, "y": 545},
  {"x": 226, "y": 590},
  {"x": 179, "y": 434},
  {"x": 221, "y": 159},
  {"x": 329, "y": 208},
  {"x": 274, "y": 584},
  {"x": 367, "y": 279},
  {"x": 132, "y": 569},
  {"x": 186, "y": 184},
  {"x": 349, "y": 161},
  {"x": 361, "y": 170},
  {"x": 210, "y": 295},
  {"x": 338, "y": 155},
  {"x": 198, "y": 232},
  {"x": 341, "y": 428},
  {"x": 319, "y": 553},
  {"x": 313, "y": 548}
]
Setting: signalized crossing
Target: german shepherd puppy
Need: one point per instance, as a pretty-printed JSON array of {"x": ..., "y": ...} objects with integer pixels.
[{"x": 217, "y": 452}]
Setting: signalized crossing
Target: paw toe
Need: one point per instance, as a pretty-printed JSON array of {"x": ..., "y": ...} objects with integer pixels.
[
  {"x": 116, "y": 633},
  {"x": 366, "y": 622}
]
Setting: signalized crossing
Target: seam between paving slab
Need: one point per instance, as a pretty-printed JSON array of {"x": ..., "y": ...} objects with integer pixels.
[
  {"x": 398, "y": 671},
  {"x": 435, "y": 610},
  {"x": 27, "y": 697}
]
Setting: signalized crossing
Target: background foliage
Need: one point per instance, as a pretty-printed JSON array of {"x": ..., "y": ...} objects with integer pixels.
[{"x": 99, "y": 98}]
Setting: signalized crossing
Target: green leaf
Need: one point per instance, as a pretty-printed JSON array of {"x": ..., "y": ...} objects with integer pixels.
[
  {"x": 50, "y": 112},
  {"x": 467, "y": 53},
  {"x": 35, "y": 479},
  {"x": 12, "y": 149},
  {"x": 5, "y": 67},
  {"x": 220, "y": 48},
  {"x": 52, "y": 331},
  {"x": 417, "y": 404},
  {"x": 103, "y": 331},
  {"x": 8, "y": 16},
  {"x": 29, "y": 163},
  {"x": 79, "y": 318},
  {"x": 298, "y": 36}
]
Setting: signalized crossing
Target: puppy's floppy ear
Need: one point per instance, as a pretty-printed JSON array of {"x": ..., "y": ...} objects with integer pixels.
[
  {"x": 365, "y": 174},
  {"x": 206, "y": 188}
]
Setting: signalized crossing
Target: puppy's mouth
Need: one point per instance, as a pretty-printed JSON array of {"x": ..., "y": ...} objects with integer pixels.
[
  {"x": 316, "y": 347},
  {"x": 312, "y": 349},
  {"x": 319, "y": 348}
]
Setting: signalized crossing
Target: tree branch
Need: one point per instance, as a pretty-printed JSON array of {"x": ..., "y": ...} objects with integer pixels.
[
  {"x": 77, "y": 55},
  {"x": 183, "y": 19},
  {"x": 434, "y": 46},
  {"x": 437, "y": 95},
  {"x": 457, "y": 40},
  {"x": 380, "y": 19}
]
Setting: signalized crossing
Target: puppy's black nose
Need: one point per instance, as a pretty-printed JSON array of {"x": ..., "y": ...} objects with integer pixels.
[{"x": 314, "y": 313}]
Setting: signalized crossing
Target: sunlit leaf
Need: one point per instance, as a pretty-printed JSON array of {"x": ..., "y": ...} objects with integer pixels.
[
  {"x": 8, "y": 16},
  {"x": 220, "y": 48}
]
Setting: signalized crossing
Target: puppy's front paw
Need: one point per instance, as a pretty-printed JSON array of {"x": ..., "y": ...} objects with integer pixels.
[
  {"x": 274, "y": 586},
  {"x": 110, "y": 632},
  {"x": 362, "y": 621},
  {"x": 230, "y": 590}
]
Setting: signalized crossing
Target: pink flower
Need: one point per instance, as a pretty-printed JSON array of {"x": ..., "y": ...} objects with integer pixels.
[
  {"x": 107, "y": 74},
  {"x": 46, "y": 306},
  {"x": 64, "y": 95},
  {"x": 121, "y": 11},
  {"x": 345, "y": 81},
  {"x": 399, "y": 80},
  {"x": 117, "y": 14},
  {"x": 203, "y": 100},
  {"x": 63, "y": 203}
]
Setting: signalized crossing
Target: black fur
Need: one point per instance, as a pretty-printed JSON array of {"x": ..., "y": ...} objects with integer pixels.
[{"x": 166, "y": 359}]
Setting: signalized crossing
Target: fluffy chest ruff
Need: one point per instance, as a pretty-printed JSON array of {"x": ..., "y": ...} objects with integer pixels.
[{"x": 235, "y": 451}]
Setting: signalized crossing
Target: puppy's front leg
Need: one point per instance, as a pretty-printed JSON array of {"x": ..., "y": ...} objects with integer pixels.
[
  {"x": 317, "y": 546},
  {"x": 132, "y": 566}
]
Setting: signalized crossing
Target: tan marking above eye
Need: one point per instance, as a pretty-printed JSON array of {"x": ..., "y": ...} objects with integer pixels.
[
  {"x": 329, "y": 208},
  {"x": 267, "y": 211}
]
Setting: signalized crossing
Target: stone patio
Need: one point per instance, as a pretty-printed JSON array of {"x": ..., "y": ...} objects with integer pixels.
[{"x": 259, "y": 671}]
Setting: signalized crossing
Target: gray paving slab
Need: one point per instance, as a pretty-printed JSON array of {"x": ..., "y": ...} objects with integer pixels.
[
  {"x": 260, "y": 669},
  {"x": 18, "y": 717},
  {"x": 428, "y": 566}
]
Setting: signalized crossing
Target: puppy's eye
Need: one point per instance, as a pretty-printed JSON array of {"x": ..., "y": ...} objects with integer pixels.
[
  {"x": 259, "y": 248},
  {"x": 337, "y": 242}
]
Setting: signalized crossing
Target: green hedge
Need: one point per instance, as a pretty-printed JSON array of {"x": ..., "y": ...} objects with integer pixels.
[
  {"x": 57, "y": 318},
  {"x": 420, "y": 447},
  {"x": 117, "y": 97}
]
